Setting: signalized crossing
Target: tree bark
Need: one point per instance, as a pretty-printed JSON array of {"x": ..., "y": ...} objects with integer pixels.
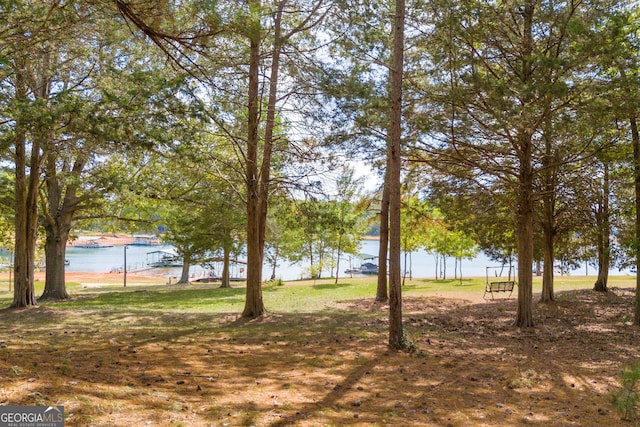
[
  {"x": 26, "y": 212},
  {"x": 339, "y": 253},
  {"x": 547, "y": 275},
  {"x": 254, "y": 305},
  {"x": 58, "y": 213},
  {"x": 524, "y": 315},
  {"x": 226, "y": 279},
  {"x": 184, "y": 273},
  {"x": 258, "y": 177},
  {"x": 548, "y": 210},
  {"x": 382, "y": 294},
  {"x": 524, "y": 227},
  {"x": 23, "y": 286},
  {"x": 603, "y": 240},
  {"x": 55, "y": 250},
  {"x": 396, "y": 335},
  {"x": 404, "y": 272},
  {"x": 635, "y": 141},
  {"x": 275, "y": 263}
]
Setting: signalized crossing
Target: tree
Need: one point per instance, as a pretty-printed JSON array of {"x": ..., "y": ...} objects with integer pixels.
[
  {"x": 348, "y": 226},
  {"x": 464, "y": 247},
  {"x": 258, "y": 171},
  {"x": 517, "y": 68},
  {"x": 396, "y": 334},
  {"x": 26, "y": 85},
  {"x": 317, "y": 222},
  {"x": 622, "y": 72},
  {"x": 382, "y": 294},
  {"x": 102, "y": 124},
  {"x": 264, "y": 32},
  {"x": 415, "y": 220},
  {"x": 283, "y": 236},
  {"x": 354, "y": 104}
]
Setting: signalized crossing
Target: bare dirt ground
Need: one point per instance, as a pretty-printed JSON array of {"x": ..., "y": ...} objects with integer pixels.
[{"x": 469, "y": 367}]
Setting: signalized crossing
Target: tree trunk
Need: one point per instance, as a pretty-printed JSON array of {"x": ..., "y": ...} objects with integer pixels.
[
  {"x": 339, "y": 253},
  {"x": 26, "y": 212},
  {"x": 258, "y": 178},
  {"x": 404, "y": 273},
  {"x": 23, "y": 286},
  {"x": 270, "y": 122},
  {"x": 635, "y": 140},
  {"x": 603, "y": 240},
  {"x": 274, "y": 265},
  {"x": 226, "y": 275},
  {"x": 538, "y": 268},
  {"x": 524, "y": 227},
  {"x": 547, "y": 276},
  {"x": 396, "y": 335},
  {"x": 524, "y": 315},
  {"x": 55, "y": 250},
  {"x": 62, "y": 202},
  {"x": 254, "y": 305},
  {"x": 186, "y": 266},
  {"x": 382, "y": 294},
  {"x": 548, "y": 209}
]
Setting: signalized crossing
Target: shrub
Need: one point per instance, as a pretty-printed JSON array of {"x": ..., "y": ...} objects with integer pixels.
[{"x": 626, "y": 400}]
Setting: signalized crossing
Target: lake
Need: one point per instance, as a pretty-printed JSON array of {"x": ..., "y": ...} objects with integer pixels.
[{"x": 104, "y": 260}]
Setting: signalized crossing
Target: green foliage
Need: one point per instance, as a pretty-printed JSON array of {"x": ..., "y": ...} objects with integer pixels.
[
  {"x": 408, "y": 344},
  {"x": 320, "y": 231},
  {"x": 275, "y": 282},
  {"x": 626, "y": 399}
]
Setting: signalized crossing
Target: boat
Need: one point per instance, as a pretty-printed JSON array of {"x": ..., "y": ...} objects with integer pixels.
[{"x": 368, "y": 268}]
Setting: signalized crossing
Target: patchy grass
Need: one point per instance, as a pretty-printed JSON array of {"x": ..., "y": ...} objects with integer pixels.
[{"x": 157, "y": 354}]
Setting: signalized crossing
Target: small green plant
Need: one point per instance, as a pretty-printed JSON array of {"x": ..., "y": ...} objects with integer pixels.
[
  {"x": 626, "y": 400},
  {"x": 272, "y": 284},
  {"x": 409, "y": 345}
]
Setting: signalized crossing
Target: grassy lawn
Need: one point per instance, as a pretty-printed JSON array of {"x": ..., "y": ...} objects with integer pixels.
[
  {"x": 160, "y": 354},
  {"x": 295, "y": 297}
]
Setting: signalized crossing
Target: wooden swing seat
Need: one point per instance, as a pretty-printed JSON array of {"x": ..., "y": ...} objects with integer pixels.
[{"x": 497, "y": 287}]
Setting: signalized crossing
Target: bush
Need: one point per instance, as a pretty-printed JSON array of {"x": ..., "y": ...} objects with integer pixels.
[
  {"x": 276, "y": 282},
  {"x": 626, "y": 400}
]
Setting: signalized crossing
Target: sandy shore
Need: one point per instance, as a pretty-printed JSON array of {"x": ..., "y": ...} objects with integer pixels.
[{"x": 100, "y": 278}]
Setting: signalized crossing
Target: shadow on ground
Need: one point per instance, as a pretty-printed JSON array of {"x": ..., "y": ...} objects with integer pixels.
[{"x": 468, "y": 365}]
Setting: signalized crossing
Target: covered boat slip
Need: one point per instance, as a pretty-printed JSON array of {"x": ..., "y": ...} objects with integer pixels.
[
  {"x": 365, "y": 265},
  {"x": 164, "y": 258},
  {"x": 212, "y": 271}
]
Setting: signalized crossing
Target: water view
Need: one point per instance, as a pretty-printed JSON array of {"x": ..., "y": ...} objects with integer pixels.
[{"x": 420, "y": 264}]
